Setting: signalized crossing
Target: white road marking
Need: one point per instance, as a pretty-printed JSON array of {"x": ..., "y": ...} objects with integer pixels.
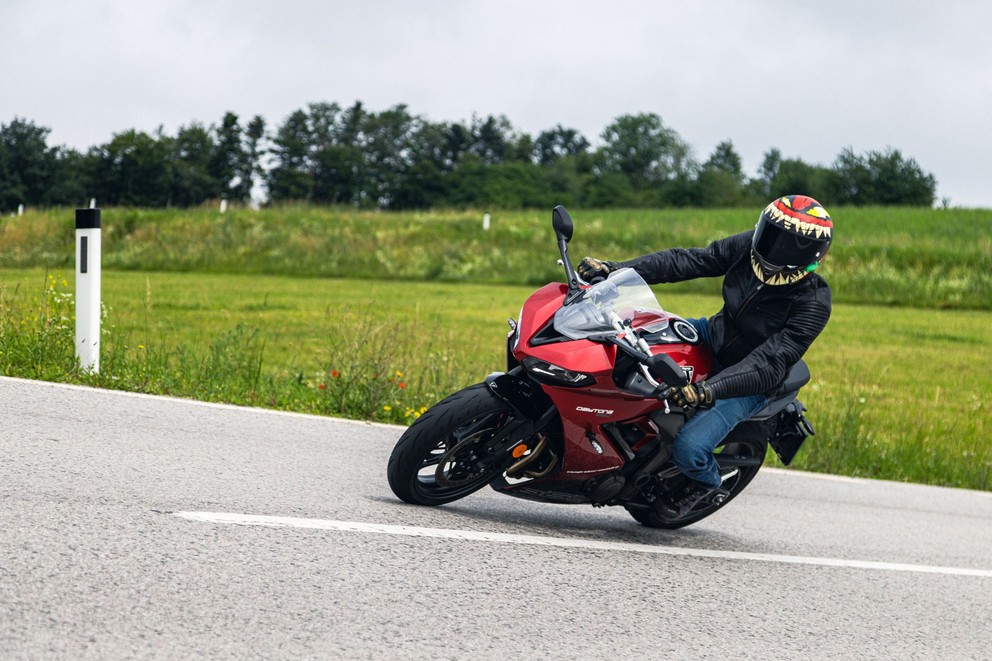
[{"x": 564, "y": 542}]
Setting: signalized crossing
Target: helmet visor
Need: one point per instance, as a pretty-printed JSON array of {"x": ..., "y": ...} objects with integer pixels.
[{"x": 786, "y": 249}]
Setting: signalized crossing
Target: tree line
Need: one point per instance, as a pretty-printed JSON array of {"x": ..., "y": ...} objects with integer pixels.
[{"x": 329, "y": 154}]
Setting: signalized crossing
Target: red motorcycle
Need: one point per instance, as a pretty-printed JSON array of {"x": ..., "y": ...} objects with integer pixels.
[{"x": 579, "y": 415}]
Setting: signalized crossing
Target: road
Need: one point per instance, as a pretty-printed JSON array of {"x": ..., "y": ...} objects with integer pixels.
[{"x": 137, "y": 526}]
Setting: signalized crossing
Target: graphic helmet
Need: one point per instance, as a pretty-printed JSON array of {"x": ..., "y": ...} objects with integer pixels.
[{"x": 792, "y": 236}]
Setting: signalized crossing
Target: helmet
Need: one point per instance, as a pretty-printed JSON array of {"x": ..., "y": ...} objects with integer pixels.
[{"x": 791, "y": 238}]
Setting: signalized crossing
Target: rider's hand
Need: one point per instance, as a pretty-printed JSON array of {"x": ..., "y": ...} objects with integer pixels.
[
  {"x": 694, "y": 395},
  {"x": 590, "y": 268}
]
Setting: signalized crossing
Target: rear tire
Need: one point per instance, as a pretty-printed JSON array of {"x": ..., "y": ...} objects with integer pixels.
[
  {"x": 748, "y": 441},
  {"x": 436, "y": 459}
]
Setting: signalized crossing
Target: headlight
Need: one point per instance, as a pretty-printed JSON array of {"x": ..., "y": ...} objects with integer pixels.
[{"x": 552, "y": 374}]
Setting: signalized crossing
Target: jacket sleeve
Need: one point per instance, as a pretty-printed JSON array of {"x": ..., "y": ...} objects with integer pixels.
[
  {"x": 766, "y": 366},
  {"x": 678, "y": 264}
]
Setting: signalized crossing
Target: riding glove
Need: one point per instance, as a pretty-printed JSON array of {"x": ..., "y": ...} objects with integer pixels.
[
  {"x": 694, "y": 395},
  {"x": 590, "y": 268}
]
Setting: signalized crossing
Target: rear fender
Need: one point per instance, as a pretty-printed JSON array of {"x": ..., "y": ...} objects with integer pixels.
[
  {"x": 775, "y": 406},
  {"x": 791, "y": 431}
]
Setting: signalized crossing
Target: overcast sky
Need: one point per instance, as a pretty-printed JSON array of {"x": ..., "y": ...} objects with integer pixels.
[{"x": 809, "y": 78}]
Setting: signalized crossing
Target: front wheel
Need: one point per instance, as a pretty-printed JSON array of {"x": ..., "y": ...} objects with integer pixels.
[{"x": 445, "y": 454}]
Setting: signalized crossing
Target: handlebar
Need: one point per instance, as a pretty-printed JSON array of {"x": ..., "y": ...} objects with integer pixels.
[{"x": 657, "y": 369}]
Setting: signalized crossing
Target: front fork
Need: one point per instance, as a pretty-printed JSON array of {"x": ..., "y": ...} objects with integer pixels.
[{"x": 533, "y": 411}]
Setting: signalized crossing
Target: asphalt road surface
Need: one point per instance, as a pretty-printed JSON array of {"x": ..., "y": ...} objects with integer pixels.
[{"x": 135, "y": 526}]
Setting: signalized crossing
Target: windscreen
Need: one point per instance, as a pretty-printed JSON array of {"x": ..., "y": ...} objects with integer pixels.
[{"x": 623, "y": 295}]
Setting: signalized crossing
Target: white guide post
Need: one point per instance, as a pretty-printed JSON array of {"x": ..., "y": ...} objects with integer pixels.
[{"x": 88, "y": 289}]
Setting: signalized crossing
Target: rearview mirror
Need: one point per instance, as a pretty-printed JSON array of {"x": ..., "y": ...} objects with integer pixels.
[{"x": 562, "y": 223}]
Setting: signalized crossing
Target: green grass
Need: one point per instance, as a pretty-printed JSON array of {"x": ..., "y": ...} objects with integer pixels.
[
  {"x": 931, "y": 258},
  {"x": 897, "y": 393}
]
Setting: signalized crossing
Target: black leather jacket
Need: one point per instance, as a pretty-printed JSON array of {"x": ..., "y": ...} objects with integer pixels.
[{"x": 762, "y": 330}]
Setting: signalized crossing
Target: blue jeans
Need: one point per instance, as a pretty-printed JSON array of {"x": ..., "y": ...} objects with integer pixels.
[{"x": 698, "y": 438}]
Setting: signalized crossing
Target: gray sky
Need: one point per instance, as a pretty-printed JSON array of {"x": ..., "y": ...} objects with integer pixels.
[{"x": 809, "y": 78}]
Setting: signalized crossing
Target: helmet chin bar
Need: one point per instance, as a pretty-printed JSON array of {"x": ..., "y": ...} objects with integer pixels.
[{"x": 778, "y": 275}]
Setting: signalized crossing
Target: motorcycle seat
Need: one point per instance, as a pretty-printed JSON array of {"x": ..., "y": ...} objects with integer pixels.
[{"x": 797, "y": 377}]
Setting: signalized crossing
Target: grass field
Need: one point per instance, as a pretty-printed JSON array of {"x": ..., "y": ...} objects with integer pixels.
[
  {"x": 897, "y": 393},
  {"x": 888, "y": 256}
]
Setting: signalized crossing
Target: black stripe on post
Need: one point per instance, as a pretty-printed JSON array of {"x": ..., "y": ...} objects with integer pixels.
[
  {"x": 82, "y": 254},
  {"x": 87, "y": 219}
]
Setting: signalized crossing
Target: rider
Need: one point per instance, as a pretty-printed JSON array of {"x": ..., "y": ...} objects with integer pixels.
[{"x": 774, "y": 306}]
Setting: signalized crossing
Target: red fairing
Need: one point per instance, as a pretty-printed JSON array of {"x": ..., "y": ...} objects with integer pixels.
[
  {"x": 584, "y": 410},
  {"x": 538, "y": 309}
]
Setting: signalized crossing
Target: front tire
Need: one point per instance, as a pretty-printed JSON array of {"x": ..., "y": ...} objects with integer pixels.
[{"x": 437, "y": 460}]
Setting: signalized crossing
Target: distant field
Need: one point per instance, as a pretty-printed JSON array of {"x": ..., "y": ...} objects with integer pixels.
[
  {"x": 889, "y": 256},
  {"x": 897, "y": 393}
]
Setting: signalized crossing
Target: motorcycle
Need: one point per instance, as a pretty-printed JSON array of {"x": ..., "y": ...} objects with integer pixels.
[{"x": 580, "y": 417}]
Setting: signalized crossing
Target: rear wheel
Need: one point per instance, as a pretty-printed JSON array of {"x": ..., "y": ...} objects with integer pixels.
[
  {"x": 446, "y": 453},
  {"x": 740, "y": 458}
]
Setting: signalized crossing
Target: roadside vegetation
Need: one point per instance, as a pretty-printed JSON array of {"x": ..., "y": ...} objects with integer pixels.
[
  {"x": 927, "y": 258},
  {"x": 250, "y": 309}
]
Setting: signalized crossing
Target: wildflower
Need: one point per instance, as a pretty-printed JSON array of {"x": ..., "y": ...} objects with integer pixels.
[
  {"x": 399, "y": 374},
  {"x": 387, "y": 408},
  {"x": 322, "y": 386},
  {"x": 335, "y": 374},
  {"x": 401, "y": 385}
]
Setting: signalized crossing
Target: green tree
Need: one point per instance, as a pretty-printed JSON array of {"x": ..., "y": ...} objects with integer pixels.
[
  {"x": 494, "y": 141},
  {"x": 721, "y": 179},
  {"x": 27, "y": 164},
  {"x": 646, "y": 152},
  {"x": 882, "y": 178},
  {"x": 192, "y": 151},
  {"x": 769, "y": 166},
  {"x": 289, "y": 178},
  {"x": 609, "y": 189},
  {"x": 555, "y": 144},
  {"x": 388, "y": 142},
  {"x": 794, "y": 177},
  {"x": 458, "y": 140},
  {"x": 337, "y": 153},
  {"x": 226, "y": 164},
  {"x": 251, "y": 169},
  {"x": 133, "y": 169},
  {"x": 427, "y": 179},
  {"x": 69, "y": 181}
]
